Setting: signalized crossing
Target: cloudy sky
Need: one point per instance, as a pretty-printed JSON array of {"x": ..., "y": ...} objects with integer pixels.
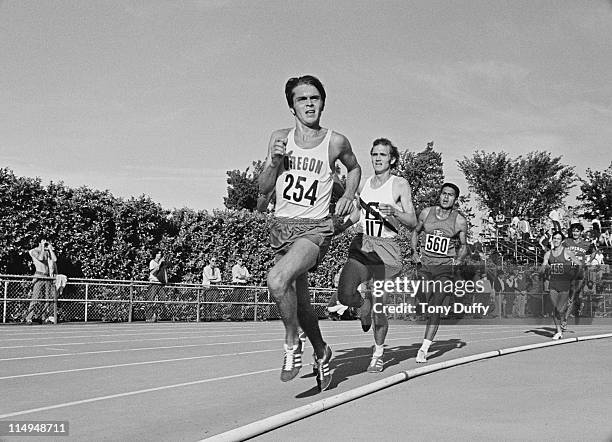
[{"x": 163, "y": 97}]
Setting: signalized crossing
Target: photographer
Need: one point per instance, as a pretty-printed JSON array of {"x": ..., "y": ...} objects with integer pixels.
[
  {"x": 45, "y": 261},
  {"x": 158, "y": 276}
]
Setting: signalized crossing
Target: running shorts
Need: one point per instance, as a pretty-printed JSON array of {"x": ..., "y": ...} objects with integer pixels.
[
  {"x": 381, "y": 255},
  {"x": 285, "y": 231}
]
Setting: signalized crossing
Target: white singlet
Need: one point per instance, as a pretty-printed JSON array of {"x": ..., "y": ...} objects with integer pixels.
[
  {"x": 370, "y": 225},
  {"x": 303, "y": 190}
]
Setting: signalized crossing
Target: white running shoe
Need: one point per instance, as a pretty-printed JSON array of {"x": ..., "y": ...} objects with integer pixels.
[
  {"x": 557, "y": 336},
  {"x": 421, "y": 356}
]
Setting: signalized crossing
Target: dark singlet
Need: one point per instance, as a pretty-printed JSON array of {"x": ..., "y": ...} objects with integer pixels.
[
  {"x": 438, "y": 236},
  {"x": 560, "y": 271}
]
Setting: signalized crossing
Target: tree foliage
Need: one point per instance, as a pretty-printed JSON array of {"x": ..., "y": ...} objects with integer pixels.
[
  {"x": 596, "y": 194},
  {"x": 425, "y": 174},
  {"x": 530, "y": 185},
  {"x": 242, "y": 189}
]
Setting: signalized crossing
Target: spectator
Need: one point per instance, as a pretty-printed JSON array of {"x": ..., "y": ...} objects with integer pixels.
[
  {"x": 240, "y": 276},
  {"x": 604, "y": 239},
  {"x": 522, "y": 286},
  {"x": 591, "y": 297},
  {"x": 536, "y": 296},
  {"x": 544, "y": 240},
  {"x": 488, "y": 294},
  {"x": 211, "y": 276},
  {"x": 499, "y": 285},
  {"x": 524, "y": 229},
  {"x": 511, "y": 287},
  {"x": 44, "y": 259},
  {"x": 598, "y": 259},
  {"x": 158, "y": 277},
  {"x": 555, "y": 217},
  {"x": 572, "y": 215}
]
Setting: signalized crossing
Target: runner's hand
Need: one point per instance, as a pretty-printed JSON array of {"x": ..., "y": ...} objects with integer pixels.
[
  {"x": 278, "y": 151},
  {"x": 344, "y": 206},
  {"x": 386, "y": 209}
]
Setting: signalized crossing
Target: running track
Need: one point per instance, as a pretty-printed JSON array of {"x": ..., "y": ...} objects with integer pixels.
[{"x": 176, "y": 382}]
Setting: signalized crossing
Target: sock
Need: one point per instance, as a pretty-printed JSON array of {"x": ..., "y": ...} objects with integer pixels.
[
  {"x": 425, "y": 345},
  {"x": 378, "y": 350},
  {"x": 292, "y": 349}
]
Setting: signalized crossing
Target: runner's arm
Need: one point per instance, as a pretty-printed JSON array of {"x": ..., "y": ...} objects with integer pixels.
[
  {"x": 341, "y": 144},
  {"x": 414, "y": 240},
  {"x": 354, "y": 216},
  {"x": 572, "y": 257},
  {"x": 276, "y": 152},
  {"x": 407, "y": 216},
  {"x": 461, "y": 226}
]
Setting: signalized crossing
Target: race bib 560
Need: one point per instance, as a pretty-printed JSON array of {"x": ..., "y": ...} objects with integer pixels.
[{"x": 437, "y": 244}]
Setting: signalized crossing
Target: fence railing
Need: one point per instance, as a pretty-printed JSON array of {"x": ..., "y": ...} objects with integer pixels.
[{"x": 85, "y": 300}]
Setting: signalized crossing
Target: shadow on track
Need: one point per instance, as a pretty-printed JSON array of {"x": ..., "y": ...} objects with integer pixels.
[{"x": 354, "y": 361}]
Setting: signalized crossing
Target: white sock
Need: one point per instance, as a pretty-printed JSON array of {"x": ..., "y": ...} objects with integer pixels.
[
  {"x": 378, "y": 350},
  {"x": 425, "y": 345},
  {"x": 292, "y": 349}
]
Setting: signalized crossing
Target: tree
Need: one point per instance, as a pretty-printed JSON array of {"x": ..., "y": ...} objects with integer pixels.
[
  {"x": 424, "y": 172},
  {"x": 530, "y": 185},
  {"x": 242, "y": 189},
  {"x": 596, "y": 194}
]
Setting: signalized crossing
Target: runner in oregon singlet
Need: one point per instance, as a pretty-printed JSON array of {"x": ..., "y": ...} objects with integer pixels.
[
  {"x": 298, "y": 172},
  {"x": 304, "y": 187}
]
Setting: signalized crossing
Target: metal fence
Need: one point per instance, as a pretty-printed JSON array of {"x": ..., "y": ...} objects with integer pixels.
[{"x": 84, "y": 300}]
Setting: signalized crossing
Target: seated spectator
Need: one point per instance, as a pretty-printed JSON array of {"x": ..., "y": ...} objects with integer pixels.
[{"x": 604, "y": 238}]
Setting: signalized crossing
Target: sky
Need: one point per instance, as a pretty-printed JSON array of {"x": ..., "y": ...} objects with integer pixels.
[{"x": 163, "y": 97}]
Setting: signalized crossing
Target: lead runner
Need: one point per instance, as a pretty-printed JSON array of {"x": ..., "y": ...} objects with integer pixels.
[
  {"x": 441, "y": 225},
  {"x": 300, "y": 167}
]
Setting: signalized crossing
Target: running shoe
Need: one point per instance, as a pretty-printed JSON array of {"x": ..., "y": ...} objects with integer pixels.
[
  {"x": 292, "y": 362},
  {"x": 302, "y": 336},
  {"x": 365, "y": 314},
  {"x": 376, "y": 364},
  {"x": 421, "y": 356},
  {"x": 323, "y": 371},
  {"x": 335, "y": 308},
  {"x": 557, "y": 336}
]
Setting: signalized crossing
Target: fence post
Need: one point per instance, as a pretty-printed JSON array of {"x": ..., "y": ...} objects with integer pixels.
[
  {"x": 55, "y": 296},
  {"x": 131, "y": 301},
  {"x": 4, "y": 307},
  {"x": 198, "y": 291},
  {"x": 255, "y": 309},
  {"x": 86, "y": 298}
]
